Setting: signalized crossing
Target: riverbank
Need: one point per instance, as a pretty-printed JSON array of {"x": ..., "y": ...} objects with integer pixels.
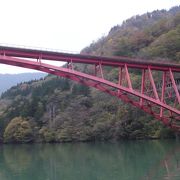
[{"x": 92, "y": 141}]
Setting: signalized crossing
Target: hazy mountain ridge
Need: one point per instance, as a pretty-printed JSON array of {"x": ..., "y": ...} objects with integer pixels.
[{"x": 9, "y": 80}]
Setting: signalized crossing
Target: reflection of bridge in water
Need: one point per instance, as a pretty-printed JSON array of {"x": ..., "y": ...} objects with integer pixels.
[
  {"x": 156, "y": 100},
  {"x": 168, "y": 167}
]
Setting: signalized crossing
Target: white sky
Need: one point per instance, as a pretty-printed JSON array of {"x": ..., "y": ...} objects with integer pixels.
[{"x": 68, "y": 25}]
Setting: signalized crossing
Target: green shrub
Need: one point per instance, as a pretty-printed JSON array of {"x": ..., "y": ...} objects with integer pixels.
[{"x": 46, "y": 135}]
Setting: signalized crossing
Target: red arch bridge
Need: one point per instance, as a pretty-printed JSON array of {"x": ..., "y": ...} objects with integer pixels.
[{"x": 156, "y": 91}]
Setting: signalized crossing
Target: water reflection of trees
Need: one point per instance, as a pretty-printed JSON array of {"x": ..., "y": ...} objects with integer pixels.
[
  {"x": 17, "y": 159},
  {"x": 102, "y": 160},
  {"x": 90, "y": 161}
]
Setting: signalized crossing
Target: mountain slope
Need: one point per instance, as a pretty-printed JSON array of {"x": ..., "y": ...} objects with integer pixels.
[{"x": 153, "y": 35}]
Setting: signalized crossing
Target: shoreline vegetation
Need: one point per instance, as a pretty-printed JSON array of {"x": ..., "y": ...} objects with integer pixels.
[
  {"x": 88, "y": 141},
  {"x": 54, "y": 109},
  {"x": 20, "y": 131}
]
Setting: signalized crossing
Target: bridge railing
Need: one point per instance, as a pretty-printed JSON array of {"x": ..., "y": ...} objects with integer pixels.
[{"x": 38, "y": 48}]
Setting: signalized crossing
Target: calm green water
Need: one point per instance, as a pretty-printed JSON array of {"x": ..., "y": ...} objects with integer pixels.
[{"x": 132, "y": 160}]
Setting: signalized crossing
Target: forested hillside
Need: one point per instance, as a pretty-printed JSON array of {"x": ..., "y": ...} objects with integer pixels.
[
  {"x": 58, "y": 110},
  {"x": 152, "y": 35}
]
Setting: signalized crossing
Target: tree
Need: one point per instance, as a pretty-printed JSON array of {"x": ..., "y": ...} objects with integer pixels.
[
  {"x": 18, "y": 130},
  {"x": 79, "y": 89}
]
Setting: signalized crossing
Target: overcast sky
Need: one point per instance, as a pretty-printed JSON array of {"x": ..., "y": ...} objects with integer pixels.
[{"x": 68, "y": 25}]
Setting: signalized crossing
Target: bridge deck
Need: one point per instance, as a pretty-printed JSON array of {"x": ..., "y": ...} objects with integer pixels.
[{"x": 88, "y": 59}]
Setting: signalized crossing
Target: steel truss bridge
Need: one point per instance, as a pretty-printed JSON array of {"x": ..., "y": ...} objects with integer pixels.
[{"x": 156, "y": 91}]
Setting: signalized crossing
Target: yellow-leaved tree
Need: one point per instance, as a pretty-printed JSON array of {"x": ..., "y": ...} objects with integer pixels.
[{"x": 18, "y": 131}]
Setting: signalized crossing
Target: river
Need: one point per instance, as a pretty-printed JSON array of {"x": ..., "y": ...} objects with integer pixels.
[{"x": 125, "y": 160}]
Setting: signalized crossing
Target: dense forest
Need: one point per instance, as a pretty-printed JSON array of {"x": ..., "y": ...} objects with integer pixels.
[{"x": 55, "y": 109}]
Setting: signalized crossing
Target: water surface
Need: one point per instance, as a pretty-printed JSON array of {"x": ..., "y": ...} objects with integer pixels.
[{"x": 130, "y": 160}]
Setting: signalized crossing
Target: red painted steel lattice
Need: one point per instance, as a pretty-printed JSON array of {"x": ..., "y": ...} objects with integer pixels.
[{"x": 157, "y": 92}]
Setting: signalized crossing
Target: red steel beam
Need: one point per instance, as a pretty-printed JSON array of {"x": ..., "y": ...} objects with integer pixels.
[
  {"x": 52, "y": 69},
  {"x": 88, "y": 59},
  {"x": 153, "y": 84},
  {"x": 174, "y": 85},
  {"x": 142, "y": 85},
  {"x": 163, "y": 92},
  {"x": 128, "y": 77}
]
